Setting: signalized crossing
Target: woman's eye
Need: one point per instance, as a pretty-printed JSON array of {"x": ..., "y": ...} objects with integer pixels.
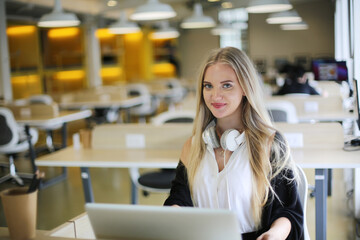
[
  {"x": 227, "y": 85},
  {"x": 206, "y": 85}
]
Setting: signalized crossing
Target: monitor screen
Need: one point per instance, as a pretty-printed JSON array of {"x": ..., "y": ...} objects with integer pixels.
[{"x": 328, "y": 69}]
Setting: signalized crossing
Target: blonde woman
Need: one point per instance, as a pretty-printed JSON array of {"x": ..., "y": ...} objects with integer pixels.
[{"x": 235, "y": 158}]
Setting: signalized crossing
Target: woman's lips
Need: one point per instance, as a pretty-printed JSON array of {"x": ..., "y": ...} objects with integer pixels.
[{"x": 218, "y": 105}]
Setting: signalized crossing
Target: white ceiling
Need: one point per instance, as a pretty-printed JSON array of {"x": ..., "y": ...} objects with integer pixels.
[{"x": 33, "y": 9}]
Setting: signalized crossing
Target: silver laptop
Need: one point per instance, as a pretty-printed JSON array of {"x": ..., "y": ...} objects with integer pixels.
[{"x": 121, "y": 221}]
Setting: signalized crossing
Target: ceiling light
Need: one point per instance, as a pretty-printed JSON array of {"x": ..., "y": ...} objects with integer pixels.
[
  {"x": 226, "y": 5},
  {"x": 266, "y": 6},
  {"x": 123, "y": 26},
  {"x": 153, "y": 10},
  {"x": 112, "y": 3},
  {"x": 294, "y": 26},
  {"x": 284, "y": 17},
  {"x": 223, "y": 29},
  {"x": 57, "y": 18},
  {"x": 198, "y": 20},
  {"x": 165, "y": 32}
]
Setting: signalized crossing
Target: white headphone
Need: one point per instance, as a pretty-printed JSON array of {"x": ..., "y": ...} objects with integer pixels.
[{"x": 230, "y": 139}]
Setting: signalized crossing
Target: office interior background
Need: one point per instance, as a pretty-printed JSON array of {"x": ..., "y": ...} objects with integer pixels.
[{"x": 56, "y": 61}]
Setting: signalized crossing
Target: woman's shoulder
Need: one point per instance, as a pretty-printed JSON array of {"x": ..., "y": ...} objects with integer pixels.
[{"x": 185, "y": 151}]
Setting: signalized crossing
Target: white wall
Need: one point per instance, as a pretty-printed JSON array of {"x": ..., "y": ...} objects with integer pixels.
[
  {"x": 268, "y": 41},
  {"x": 194, "y": 46}
]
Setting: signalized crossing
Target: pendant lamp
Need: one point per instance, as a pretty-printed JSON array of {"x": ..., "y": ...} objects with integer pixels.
[
  {"x": 267, "y": 6},
  {"x": 123, "y": 26},
  {"x": 58, "y": 18},
  {"x": 165, "y": 32},
  {"x": 284, "y": 17},
  {"x": 153, "y": 10},
  {"x": 198, "y": 20},
  {"x": 294, "y": 26}
]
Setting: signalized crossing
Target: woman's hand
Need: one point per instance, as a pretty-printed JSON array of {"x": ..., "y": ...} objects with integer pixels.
[{"x": 279, "y": 230}]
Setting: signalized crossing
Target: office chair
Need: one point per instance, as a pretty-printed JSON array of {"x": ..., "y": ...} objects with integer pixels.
[
  {"x": 282, "y": 111},
  {"x": 158, "y": 181},
  {"x": 149, "y": 104},
  {"x": 46, "y": 100},
  {"x": 303, "y": 192},
  {"x": 176, "y": 94},
  {"x": 13, "y": 140}
]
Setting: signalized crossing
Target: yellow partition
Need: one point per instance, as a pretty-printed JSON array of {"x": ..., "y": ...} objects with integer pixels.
[{"x": 25, "y": 86}]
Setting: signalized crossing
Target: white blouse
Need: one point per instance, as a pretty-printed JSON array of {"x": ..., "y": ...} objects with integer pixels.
[{"x": 230, "y": 189}]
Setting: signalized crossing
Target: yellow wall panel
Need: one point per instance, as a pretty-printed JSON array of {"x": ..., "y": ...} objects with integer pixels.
[{"x": 25, "y": 86}]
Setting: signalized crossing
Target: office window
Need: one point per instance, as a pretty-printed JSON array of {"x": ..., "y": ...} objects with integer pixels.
[{"x": 237, "y": 19}]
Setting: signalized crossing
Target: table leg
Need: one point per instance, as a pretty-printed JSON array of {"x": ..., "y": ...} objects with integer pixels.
[
  {"x": 86, "y": 181},
  {"x": 64, "y": 135},
  {"x": 134, "y": 193},
  {"x": 330, "y": 174},
  {"x": 63, "y": 175},
  {"x": 321, "y": 176}
]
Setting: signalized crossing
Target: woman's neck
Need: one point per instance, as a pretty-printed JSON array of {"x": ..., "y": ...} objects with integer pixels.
[{"x": 223, "y": 124}]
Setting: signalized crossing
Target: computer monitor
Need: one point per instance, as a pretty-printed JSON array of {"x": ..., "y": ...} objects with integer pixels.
[{"x": 329, "y": 69}]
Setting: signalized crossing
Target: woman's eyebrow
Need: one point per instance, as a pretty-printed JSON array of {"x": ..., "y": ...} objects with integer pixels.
[{"x": 227, "y": 81}]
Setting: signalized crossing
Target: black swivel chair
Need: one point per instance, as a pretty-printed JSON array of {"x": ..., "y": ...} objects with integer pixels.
[
  {"x": 159, "y": 180},
  {"x": 13, "y": 140}
]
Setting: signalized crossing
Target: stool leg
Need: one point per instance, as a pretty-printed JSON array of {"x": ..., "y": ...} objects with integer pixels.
[{"x": 13, "y": 172}]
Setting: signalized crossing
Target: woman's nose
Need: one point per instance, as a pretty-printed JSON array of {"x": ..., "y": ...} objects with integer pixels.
[{"x": 217, "y": 93}]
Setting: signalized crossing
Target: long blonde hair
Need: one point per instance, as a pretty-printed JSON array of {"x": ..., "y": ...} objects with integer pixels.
[{"x": 257, "y": 125}]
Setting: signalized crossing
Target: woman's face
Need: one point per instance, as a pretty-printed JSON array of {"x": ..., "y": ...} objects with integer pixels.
[{"x": 222, "y": 92}]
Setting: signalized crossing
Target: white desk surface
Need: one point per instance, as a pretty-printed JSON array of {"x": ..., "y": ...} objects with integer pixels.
[
  {"x": 316, "y": 108},
  {"x": 322, "y": 148},
  {"x": 119, "y": 103},
  {"x": 40, "y": 235},
  {"x": 326, "y": 116},
  {"x": 149, "y": 158},
  {"x": 64, "y": 116},
  {"x": 77, "y": 227},
  {"x": 111, "y": 158}
]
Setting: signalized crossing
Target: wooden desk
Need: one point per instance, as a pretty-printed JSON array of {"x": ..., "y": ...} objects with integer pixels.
[
  {"x": 40, "y": 235},
  {"x": 48, "y": 121},
  {"x": 78, "y": 227},
  {"x": 62, "y": 119},
  {"x": 117, "y": 146},
  {"x": 321, "y": 150},
  {"x": 125, "y": 102},
  {"x": 317, "y": 108},
  {"x": 327, "y": 88},
  {"x": 117, "y": 105}
]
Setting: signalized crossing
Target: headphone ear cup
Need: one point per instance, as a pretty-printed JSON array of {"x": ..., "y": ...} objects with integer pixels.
[
  {"x": 210, "y": 137},
  {"x": 228, "y": 140}
]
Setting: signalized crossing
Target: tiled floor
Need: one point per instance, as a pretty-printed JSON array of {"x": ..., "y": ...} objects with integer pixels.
[{"x": 65, "y": 200}]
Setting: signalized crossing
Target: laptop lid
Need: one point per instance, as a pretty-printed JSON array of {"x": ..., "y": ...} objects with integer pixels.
[{"x": 121, "y": 221}]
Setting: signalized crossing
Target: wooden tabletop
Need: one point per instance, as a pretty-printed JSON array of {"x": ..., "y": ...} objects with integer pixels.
[
  {"x": 64, "y": 116},
  {"x": 321, "y": 148}
]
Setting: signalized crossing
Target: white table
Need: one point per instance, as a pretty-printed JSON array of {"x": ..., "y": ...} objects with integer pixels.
[
  {"x": 317, "y": 108},
  {"x": 47, "y": 121},
  {"x": 118, "y": 104},
  {"x": 322, "y": 150}
]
